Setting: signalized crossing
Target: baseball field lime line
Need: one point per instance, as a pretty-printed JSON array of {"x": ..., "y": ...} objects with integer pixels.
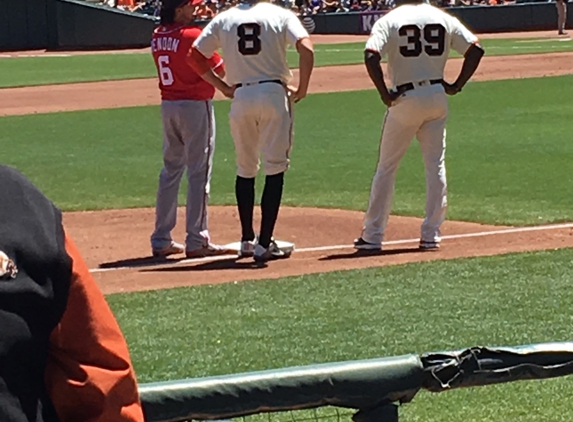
[{"x": 510, "y": 230}]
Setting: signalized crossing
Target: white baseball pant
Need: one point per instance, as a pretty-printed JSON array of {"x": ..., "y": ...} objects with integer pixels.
[
  {"x": 421, "y": 112},
  {"x": 261, "y": 122}
]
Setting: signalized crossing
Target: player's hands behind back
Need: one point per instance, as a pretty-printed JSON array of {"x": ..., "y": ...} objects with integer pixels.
[{"x": 228, "y": 91}]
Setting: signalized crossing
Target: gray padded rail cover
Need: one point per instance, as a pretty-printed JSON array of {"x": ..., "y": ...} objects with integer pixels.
[
  {"x": 365, "y": 384},
  {"x": 488, "y": 365}
]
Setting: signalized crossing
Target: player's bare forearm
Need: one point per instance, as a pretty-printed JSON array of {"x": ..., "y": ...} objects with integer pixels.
[
  {"x": 214, "y": 79},
  {"x": 200, "y": 65},
  {"x": 372, "y": 62},
  {"x": 305, "y": 50},
  {"x": 472, "y": 59}
]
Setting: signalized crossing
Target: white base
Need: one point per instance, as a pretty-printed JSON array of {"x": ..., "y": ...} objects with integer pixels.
[{"x": 286, "y": 247}]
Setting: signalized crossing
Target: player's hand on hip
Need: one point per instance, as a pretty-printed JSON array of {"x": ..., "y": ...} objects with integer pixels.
[
  {"x": 451, "y": 89},
  {"x": 295, "y": 94},
  {"x": 390, "y": 98}
]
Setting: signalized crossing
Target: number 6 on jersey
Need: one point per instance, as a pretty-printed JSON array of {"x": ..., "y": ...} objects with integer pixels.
[{"x": 165, "y": 73}]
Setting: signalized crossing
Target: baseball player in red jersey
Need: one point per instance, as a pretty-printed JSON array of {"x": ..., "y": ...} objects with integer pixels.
[
  {"x": 253, "y": 37},
  {"x": 417, "y": 38},
  {"x": 188, "y": 133}
]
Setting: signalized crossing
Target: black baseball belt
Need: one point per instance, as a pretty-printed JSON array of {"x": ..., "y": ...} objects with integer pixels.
[
  {"x": 270, "y": 81},
  {"x": 400, "y": 89}
]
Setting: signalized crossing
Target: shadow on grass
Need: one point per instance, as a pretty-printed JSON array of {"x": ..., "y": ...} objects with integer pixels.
[
  {"x": 218, "y": 265},
  {"x": 145, "y": 261},
  {"x": 368, "y": 254}
]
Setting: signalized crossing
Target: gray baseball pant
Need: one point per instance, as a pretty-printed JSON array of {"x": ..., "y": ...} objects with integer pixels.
[{"x": 188, "y": 143}]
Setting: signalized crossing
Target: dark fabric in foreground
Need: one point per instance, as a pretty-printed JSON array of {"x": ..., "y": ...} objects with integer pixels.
[
  {"x": 480, "y": 366},
  {"x": 366, "y": 384},
  {"x": 33, "y": 302}
]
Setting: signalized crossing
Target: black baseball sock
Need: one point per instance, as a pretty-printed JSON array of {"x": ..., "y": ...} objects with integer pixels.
[
  {"x": 245, "y": 194},
  {"x": 270, "y": 205}
]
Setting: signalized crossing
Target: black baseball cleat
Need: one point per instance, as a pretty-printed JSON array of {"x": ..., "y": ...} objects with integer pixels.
[
  {"x": 363, "y": 245},
  {"x": 429, "y": 246},
  {"x": 262, "y": 255}
]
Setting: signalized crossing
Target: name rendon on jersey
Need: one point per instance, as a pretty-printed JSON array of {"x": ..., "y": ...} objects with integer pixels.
[{"x": 165, "y": 44}]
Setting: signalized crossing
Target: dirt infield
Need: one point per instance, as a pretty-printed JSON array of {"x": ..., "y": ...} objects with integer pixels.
[
  {"x": 116, "y": 243},
  {"x": 116, "y": 246},
  {"x": 136, "y": 92}
]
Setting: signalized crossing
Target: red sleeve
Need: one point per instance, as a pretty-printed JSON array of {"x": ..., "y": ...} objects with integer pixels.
[
  {"x": 89, "y": 375},
  {"x": 191, "y": 33},
  {"x": 216, "y": 63},
  {"x": 198, "y": 62}
]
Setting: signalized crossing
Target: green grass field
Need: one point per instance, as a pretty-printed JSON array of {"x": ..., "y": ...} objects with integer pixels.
[
  {"x": 25, "y": 71},
  {"x": 504, "y": 156},
  {"x": 415, "y": 308}
]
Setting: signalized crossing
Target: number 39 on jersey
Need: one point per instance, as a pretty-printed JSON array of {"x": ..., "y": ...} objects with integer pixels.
[{"x": 429, "y": 39}]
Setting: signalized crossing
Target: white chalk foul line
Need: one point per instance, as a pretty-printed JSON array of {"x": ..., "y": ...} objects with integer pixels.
[{"x": 337, "y": 247}]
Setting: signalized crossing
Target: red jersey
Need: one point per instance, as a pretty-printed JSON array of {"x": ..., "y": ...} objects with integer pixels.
[{"x": 177, "y": 80}]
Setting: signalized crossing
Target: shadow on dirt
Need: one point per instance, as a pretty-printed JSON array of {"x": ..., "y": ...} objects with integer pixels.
[
  {"x": 146, "y": 261},
  {"x": 369, "y": 254},
  {"x": 218, "y": 265},
  {"x": 168, "y": 265}
]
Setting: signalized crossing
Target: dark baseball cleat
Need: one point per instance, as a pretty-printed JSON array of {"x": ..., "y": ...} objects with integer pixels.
[
  {"x": 271, "y": 253},
  {"x": 363, "y": 245},
  {"x": 429, "y": 246}
]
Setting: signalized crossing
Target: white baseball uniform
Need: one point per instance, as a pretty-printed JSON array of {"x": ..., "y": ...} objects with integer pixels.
[
  {"x": 254, "y": 39},
  {"x": 417, "y": 39}
]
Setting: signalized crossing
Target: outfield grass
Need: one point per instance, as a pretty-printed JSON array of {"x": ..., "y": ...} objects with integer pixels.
[
  {"x": 508, "y": 161},
  {"x": 28, "y": 71},
  {"x": 25, "y": 71},
  {"x": 415, "y": 308},
  {"x": 352, "y": 53}
]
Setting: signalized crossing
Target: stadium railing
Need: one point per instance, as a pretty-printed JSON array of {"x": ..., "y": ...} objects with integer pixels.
[{"x": 364, "y": 391}]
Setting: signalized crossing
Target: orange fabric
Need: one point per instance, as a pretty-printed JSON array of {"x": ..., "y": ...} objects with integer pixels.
[
  {"x": 130, "y": 3},
  {"x": 89, "y": 375}
]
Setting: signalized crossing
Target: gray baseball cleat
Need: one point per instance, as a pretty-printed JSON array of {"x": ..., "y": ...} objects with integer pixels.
[
  {"x": 429, "y": 246},
  {"x": 248, "y": 247},
  {"x": 172, "y": 248}
]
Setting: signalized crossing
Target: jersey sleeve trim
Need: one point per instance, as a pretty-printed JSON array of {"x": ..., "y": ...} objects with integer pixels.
[{"x": 158, "y": 30}]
